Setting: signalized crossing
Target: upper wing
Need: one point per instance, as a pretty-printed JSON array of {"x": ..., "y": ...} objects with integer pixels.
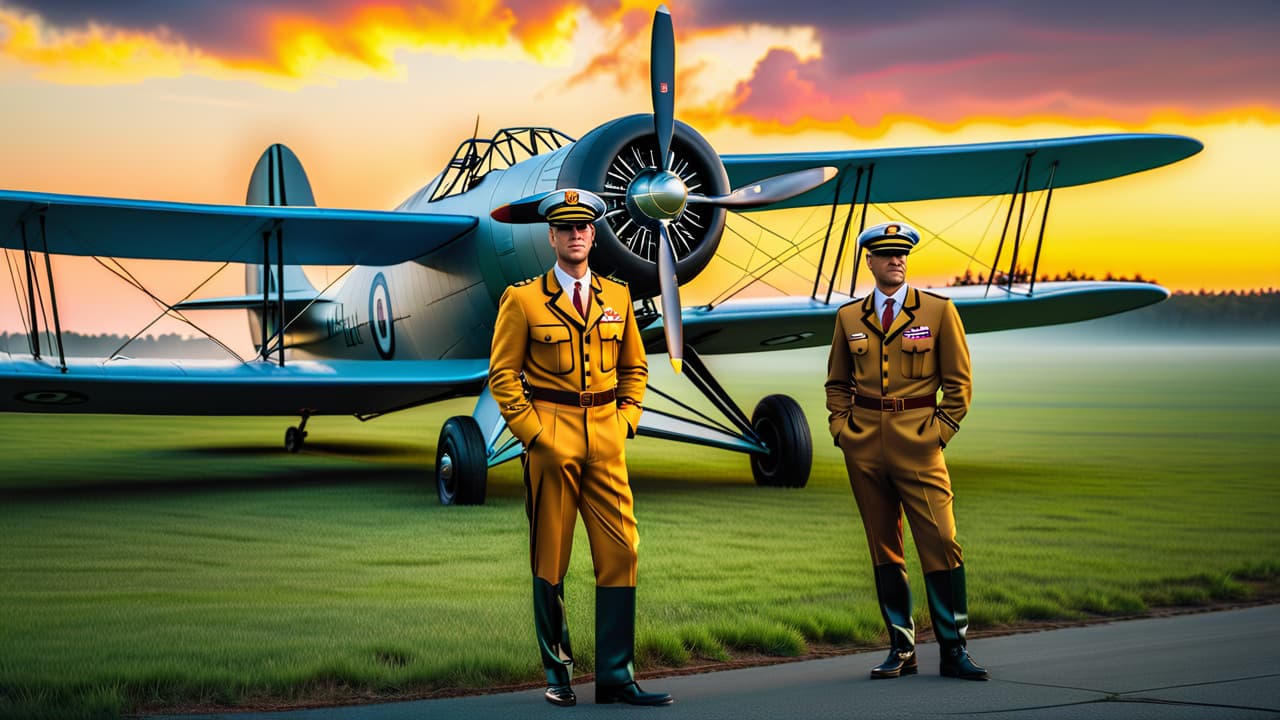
[
  {"x": 755, "y": 325},
  {"x": 160, "y": 387},
  {"x": 111, "y": 227},
  {"x": 944, "y": 171}
]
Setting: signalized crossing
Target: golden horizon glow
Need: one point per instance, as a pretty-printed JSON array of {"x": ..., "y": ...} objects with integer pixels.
[{"x": 375, "y": 101}]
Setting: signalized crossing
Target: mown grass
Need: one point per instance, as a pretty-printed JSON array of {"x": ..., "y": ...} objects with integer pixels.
[{"x": 160, "y": 562}]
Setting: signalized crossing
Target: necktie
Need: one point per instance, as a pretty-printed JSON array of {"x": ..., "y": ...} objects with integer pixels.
[
  {"x": 577, "y": 300},
  {"x": 886, "y": 319}
]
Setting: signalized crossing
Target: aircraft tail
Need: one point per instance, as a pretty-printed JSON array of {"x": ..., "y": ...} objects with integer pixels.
[{"x": 277, "y": 179}]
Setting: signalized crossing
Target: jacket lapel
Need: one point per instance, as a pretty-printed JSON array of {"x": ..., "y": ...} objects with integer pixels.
[
  {"x": 869, "y": 318},
  {"x": 907, "y": 316},
  {"x": 560, "y": 300},
  {"x": 594, "y": 302}
]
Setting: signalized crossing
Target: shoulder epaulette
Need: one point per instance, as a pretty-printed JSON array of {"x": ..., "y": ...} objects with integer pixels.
[
  {"x": 524, "y": 282},
  {"x": 615, "y": 280}
]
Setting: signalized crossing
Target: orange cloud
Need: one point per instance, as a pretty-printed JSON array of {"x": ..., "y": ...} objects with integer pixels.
[{"x": 282, "y": 42}]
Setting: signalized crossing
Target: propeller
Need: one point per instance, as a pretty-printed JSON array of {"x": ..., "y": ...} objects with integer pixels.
[
  {"x": 656, "y": 196},
  {"x": 662, "y": 82},
  {"x": 770, "y": 190},
  {"x": 660, "y": 195}
]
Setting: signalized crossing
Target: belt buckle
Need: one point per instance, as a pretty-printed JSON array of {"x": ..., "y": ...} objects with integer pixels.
[
  {"x": 586, "y": 399},
  {"x": 889, "y": 404}
]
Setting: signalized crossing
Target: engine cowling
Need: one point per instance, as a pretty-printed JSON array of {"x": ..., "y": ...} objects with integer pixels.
[{"x": 607, "y": 160}]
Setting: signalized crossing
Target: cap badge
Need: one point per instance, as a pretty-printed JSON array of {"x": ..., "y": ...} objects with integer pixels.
[{"x": 571, "y": 197}]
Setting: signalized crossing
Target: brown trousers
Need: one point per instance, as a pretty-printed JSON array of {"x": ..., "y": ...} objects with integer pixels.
[{"x": 893, "y": 473}]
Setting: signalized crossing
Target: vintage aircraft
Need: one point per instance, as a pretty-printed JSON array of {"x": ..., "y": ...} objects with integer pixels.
[{"x": 411, "y": 321}]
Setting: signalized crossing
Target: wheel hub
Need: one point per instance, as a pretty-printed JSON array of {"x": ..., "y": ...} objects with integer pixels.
[{"x": 445, "y": 467}]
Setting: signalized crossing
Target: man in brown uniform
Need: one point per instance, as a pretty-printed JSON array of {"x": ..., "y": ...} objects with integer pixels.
[
  {"x": 891, "y": 353},
  {"x": 568, "y": 371}
]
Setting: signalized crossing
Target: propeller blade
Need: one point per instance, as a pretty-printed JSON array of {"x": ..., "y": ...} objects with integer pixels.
[
  {"x": 672, "y": 326},
  {"x": 662, "y": 81},
  {"x": 770, "y": 190}
]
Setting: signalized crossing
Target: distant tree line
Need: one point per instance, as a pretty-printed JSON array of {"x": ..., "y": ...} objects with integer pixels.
[
  {"x": 1257, "y": 309},
  {"x": 170, "y": 345},
  {"x": 1023, "y": 275}
]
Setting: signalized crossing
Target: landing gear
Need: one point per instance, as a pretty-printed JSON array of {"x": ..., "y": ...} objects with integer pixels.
[
  {"x": 779, "y": 423},
  {"x": 294, "y": 437},
  {"x": 461, "y": 462}
]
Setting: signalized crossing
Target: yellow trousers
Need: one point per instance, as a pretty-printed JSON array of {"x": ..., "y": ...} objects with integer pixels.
[{"x": 570, "y": 471}]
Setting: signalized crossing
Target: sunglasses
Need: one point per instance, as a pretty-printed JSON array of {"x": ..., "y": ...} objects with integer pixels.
[{"x": 580, "y": 227}]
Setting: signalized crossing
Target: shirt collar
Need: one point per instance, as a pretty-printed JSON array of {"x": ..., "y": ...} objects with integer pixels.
[
  {"x": 566, "y": 280},
  {"x": 898, "y": 298}
]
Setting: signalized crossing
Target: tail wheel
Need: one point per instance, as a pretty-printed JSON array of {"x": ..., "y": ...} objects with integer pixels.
[
  {"x": 780, "y": 424},
  {"x": 461, "y": 462}
]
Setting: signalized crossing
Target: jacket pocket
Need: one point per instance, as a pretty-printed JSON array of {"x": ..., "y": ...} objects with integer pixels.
[
  {"x": 918, "y": 359},
  {"x": 858, "y": 348},
  {"x": 610, "y": 344},
  {"x": 551, "y": 348}
]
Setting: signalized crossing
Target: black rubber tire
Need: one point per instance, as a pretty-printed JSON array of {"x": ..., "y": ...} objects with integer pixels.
[
  {"x": 780, "y": 424},
  {"x": 294, "y": 439},
  {"x": 462, "y": 466}
]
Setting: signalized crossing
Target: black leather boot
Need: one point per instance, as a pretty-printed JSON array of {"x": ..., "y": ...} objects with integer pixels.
[
  {"x": 949, "y": 609},
  {"x": 553, "y": 641},
  {"x": 894, "y": 594},
  {"x": 615, "y": 650}
]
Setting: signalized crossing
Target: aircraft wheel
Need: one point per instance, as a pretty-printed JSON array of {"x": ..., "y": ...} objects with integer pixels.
[
  {"x": 780, "y": 424},
  {"x": 461, "y": 462},
  {"x": 293, "y": 439}
]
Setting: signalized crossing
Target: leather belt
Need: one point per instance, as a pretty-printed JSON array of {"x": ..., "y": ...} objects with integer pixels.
[
  {"x": 892, "y": 404},
  {"x": 579, "y": 399}
]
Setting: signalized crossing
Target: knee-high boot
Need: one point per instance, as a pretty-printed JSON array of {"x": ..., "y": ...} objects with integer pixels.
[
  {"x": 949, "y": 610},
  {"x": 553, "y": 631},
  {"x": 894, "y": 595},
  {"x": 615, "y": 649}
]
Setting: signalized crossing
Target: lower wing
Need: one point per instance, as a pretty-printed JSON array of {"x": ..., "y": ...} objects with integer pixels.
[
  {"x": 755, "y": 325},
  {"x": 162, "y": 387}
]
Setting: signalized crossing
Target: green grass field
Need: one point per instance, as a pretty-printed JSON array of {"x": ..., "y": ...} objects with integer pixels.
[{"x": 174, "y": 562}]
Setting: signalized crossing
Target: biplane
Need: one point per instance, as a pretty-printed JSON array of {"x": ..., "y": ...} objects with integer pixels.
[{"x": 411, "y": 321}]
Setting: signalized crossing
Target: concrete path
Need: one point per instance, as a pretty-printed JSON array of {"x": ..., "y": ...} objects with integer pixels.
[{"x": 1206, "y": 665}]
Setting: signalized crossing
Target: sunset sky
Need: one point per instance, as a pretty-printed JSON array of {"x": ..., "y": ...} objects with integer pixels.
[{"x": 175, "y": 101}]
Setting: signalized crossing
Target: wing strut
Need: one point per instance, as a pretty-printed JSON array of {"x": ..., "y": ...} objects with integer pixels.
[
  {"x": 1044, "y": 220},
  {"x": 844, "y": 234},
  {"x": 276, "y": 334},
  {"x": 1004, "y": 232},
  {"x": 831, "y": 222},
  {"x": 33, "y": 291},
  {"x": 1017, "y": 232},
  {"x": 1019, "y": 196}
]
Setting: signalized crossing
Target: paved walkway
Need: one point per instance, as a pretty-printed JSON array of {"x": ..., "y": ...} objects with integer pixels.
[{"x": 1206, "y": 665}]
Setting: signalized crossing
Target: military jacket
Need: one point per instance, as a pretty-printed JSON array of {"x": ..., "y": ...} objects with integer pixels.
[
  {"x": 538, "y": 333},
  {"x": 922, "y": 352}
]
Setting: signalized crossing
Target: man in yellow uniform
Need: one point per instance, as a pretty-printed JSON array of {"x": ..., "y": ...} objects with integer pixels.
[
  {"x": 568, "y": 371},
  {"x": 891, "y": 354}
]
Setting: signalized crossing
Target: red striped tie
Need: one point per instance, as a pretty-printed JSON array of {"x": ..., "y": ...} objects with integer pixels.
[
  {"x": 886, "y": 319},
  {"x": 577, "y": 299}
]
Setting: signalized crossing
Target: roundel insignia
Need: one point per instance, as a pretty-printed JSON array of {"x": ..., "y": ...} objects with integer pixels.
[
  {"x": 381, "y": 321},
  {"x": 53, "y": 397}
]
